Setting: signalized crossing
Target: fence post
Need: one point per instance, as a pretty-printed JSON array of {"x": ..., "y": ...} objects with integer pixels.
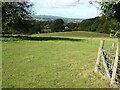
[
  {"x": 119, "y": 61},
  {"x": 113, "y": 45},
  {"x": 114, "y": 67},
  {"x": 105, "y": 66},
  {"x": 119, "y": 49},
  {"x": 99, "y": 54}
]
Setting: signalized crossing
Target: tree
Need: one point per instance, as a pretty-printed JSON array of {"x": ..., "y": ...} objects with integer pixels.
[
  {"x": 111, "y": 10},
  {"x": 72, "y": 25},
  {"x": 14, "y": 14},
  {"x": 36, "y": 27},
  {"x": 95, "y": 24},
  {"x": 21, "y": 27},
  {"x": 58, "y": 25}
]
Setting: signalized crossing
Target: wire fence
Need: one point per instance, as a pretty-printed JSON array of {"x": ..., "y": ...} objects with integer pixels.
[{"x": 108, "y": 63}]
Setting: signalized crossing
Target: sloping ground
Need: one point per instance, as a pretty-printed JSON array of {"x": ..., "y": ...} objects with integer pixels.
[
  {"x": 78, "y": 34},
  {"x": 51, "y": 63}
]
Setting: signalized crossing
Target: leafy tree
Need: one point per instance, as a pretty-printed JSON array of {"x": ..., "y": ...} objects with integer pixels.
[
  {"x": 98, "y": 24},
  {"x": 58, "y": 25},
  {"x": 14, "y": 15},
  {"x": 85, "y": 25},
  {"x": 72, "y": 25},
  {"x": 95, "y": 24},
  {"x": 112, "y": 11},
  {"x": 36, "y": 27}
]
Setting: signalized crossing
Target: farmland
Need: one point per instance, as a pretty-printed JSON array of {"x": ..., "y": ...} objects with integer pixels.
[{"x": 53, "y": 60}]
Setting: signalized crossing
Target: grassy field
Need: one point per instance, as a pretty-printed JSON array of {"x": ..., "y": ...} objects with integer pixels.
[
  {"x": 76, "y": 34},
  {"x": 55, "y": 60}
]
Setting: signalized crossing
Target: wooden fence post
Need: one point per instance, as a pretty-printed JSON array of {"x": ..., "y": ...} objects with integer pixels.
[
  {"x": 119, "y": 61},
  {"x": 99, "y": 54},
  {"x": 113, "y": 45},
  {"x": 119, "y": 49},
  {"x": 105, "y": 65},
  {"x": 114, "y": 67}
]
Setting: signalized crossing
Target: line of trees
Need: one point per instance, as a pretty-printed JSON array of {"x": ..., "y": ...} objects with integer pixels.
[
  {"x": 16, "y": 18},
  {"x": 100, "y": 24},
  {"x": 111, "y": 10}
]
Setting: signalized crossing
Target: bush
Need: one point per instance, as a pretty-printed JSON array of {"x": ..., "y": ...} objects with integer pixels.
[{"x": 46, "y": 31}]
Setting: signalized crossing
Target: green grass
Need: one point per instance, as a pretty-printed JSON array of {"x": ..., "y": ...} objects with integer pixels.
[
  {"x": 78, "y": 34},
  {"x": 52, "y": 62}
]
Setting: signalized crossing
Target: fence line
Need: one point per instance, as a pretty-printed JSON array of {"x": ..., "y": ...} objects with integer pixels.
[
  {"x": 115, "y": 67},
  {"x": 108, "y": 64}
]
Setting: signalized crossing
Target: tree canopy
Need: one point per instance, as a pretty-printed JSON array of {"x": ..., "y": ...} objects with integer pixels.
[
  {"x": 57, "y": 25},
  {"x": 111, "y": 10},
  {"x": 14, "y": 15}
]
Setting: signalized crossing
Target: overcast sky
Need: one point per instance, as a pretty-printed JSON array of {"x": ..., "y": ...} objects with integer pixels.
[{"x": 65, "y": 8}]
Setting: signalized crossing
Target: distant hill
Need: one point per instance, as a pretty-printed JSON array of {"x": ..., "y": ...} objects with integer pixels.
[{"x": 50, "y": 17}]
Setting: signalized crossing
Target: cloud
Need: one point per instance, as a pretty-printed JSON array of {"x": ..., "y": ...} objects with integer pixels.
[
  {"x": 65, "y": 8},
  {"x": 64, "y": 3},
  {"x": 58, "y": 3},
  {"x": 84, "y": 1}
]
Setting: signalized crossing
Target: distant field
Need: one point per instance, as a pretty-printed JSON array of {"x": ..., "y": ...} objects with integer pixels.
[
  {"x": 77, "y": 34},
  {"x": 53, "y": 60}
]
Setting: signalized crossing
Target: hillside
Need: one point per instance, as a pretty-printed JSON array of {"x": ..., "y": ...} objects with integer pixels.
[
  {"x": 50, "y": 17},
  {"x": 52, "y": 60},
  {"x": 75, "y": 34}
]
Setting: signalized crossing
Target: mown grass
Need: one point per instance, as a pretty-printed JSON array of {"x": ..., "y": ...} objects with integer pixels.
[
  {"x": 51, "y": 62},
  {"x": 77, "y": 34}
]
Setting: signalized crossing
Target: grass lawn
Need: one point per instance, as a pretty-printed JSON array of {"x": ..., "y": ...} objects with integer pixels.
[
  {"x": 76, "y": 34},
  {"x": 54, "y": 61}
]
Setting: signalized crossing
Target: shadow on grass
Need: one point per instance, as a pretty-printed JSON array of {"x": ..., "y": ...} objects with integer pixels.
[{"x": 42, "y": 38}]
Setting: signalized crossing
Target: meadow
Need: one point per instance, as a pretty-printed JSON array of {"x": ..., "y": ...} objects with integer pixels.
[{"x": 53, "y": 60}]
